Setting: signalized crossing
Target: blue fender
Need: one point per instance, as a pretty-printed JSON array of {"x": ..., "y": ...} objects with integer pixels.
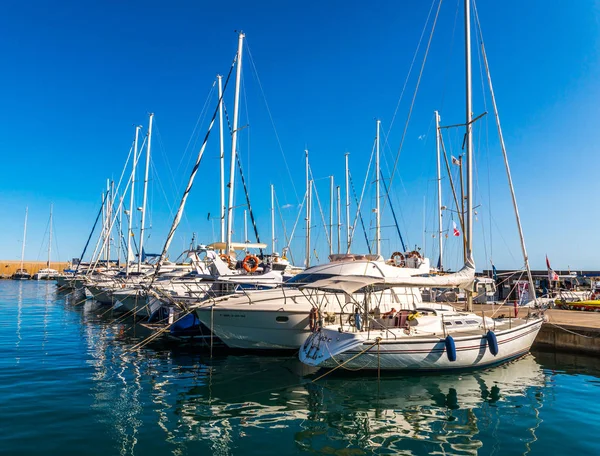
[
  {"x": 450, "y": 348},
  {"x": 492, "y": 342}
]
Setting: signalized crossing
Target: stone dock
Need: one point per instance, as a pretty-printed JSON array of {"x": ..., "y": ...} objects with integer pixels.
[
  {"x": 571, "y": 331},
  {"x": 9, "y": 267}
]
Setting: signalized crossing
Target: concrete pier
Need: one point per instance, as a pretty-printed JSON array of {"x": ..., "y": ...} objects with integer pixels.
[{"x": 569, "y": 331}]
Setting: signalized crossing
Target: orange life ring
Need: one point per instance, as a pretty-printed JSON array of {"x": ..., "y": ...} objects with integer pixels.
[
  {"x": 397, "y": 259},
  {"x": 250, "y": 259},
  {"x": 227, "y": 259}
]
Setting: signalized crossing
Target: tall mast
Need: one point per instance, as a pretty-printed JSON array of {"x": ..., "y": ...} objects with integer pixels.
[
  {"x": 339, "y": 221},
  {"x": 469, "y": 142},
  {"x": 510, "y": 182},
  {"x": 377, "y": 197},
  {"x": 131, "y": 199},
  {"x": 50, "y": 238},
  {"x": 348, "y": 239},
  {"x": 109, "y": 209},
  {"x": 24, "y": 237},
  {"x": 120, "y": 231},
  {"x": 308, "y": 208},
  {"x": 145, "y": 197},
  {"x": 331, "y": 203},
  {"x": 246, "y": 240},
  {"x": 439, "y": 190},
  {"x": 222, "y": 157},
  {"x": 272, "y": 218},
  {"x": 236, "y": 102}
]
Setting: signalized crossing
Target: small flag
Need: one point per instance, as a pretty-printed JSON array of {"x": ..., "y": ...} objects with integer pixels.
[
  {"x": 455, "y": 161},
  {"x": 552, "y": 276},
  {"x": 456, "y": 232},
  {"x": 494, "y": 273}
]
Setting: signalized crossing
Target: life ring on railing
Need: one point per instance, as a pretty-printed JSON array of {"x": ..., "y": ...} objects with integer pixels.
[
  {"x": 250, "y": 263},
  {"x": 314, "y": 319},
  {"x": 397, "y": 259},
  {"x": 227, "y": 259}
]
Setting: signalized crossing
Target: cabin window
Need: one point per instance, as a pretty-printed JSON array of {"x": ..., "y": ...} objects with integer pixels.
[
  {"x": 447, "y": 323},
  {"x": 281, "y": 319},
  {"x": 472, "y": 322},
  {"x": 458, "y": 322}
]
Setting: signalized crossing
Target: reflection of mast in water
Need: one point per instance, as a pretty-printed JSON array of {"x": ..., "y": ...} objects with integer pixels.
[
  {"x": 187, "y": 421},
  {"x": 47, "y": 300},
  {"x": 447, "y": 410},
  {"x": 19, "y": 317}
]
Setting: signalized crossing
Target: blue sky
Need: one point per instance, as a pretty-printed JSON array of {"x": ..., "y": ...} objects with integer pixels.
[{"x": 78, "y": 75}]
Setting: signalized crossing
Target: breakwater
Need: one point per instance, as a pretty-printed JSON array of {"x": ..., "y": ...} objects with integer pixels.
[{"x": 9, "y": 267}]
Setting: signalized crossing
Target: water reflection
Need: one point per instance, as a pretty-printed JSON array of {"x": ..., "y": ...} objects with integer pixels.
[
  {"x": 87, "y": 392},
  {"x": 248, "y": 404}
]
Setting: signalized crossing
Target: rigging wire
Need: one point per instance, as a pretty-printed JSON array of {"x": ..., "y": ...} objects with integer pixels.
[
  {"x": 410, "y": 69},
  {"x": 415, "y": 94},
  {"x": 272, "y": 121},
  {"x": 200, "y": 120},
  {"x": 287, "y": 239},
  {"x": 329, "y": 241},
  {"x": 362, "y": 194}
]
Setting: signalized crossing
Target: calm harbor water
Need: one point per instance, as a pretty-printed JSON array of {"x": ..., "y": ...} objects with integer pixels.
[{"x": 70, "y": 385}]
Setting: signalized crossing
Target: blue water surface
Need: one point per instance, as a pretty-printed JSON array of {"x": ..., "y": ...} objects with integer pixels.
[{"x": 71, "y": 382}]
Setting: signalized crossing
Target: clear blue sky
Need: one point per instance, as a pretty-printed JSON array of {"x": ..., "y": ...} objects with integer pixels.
[{"x": 76, "y": 77}]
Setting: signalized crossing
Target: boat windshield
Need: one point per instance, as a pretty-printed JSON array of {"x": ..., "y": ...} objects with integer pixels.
[{"x": 308, "y": 277}]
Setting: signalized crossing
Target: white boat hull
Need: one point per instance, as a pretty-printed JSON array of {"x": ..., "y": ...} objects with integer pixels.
[
  {"x": 257, "y": 330},
  {"x": 329, "y": 348}
]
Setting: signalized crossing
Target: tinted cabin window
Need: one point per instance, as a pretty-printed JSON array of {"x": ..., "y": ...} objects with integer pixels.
[{"x": 281, "y": 319}]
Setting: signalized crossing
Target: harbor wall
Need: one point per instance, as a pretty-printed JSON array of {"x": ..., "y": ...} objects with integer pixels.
[
  {"x": 568, "y": 338},
  {"x": 9, "y": 267}
]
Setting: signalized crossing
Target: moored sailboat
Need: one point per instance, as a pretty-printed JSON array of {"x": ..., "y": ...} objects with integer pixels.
[
  {"x": 21, "y": 273},
  {"x": 424, "y": 338}
]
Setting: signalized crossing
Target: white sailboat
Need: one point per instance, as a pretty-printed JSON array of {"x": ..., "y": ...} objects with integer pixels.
[
  {"x": 21, "y": 273},
  {"x": 47, "y": 273},
  {"x": 422, "y": 339}
]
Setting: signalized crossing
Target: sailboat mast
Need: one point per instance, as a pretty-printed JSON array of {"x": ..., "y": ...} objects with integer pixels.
[
  {"x": 377, "y": 196},
  {"x": 24, "y": 238},
  {"x": 145, "y": 197},
  {"x": 308, "y": 208},
  {"x": 331, "y": 203},
  {"x": 469, "y": 142},
  {"x": 131, "y": 199},
  {"x": 348, "y": 238},
  {"x": 246, "y": 240},
  {"x": 109, "y": 209},
  {"x": 439, "y": 191},
  {"x": 236, "y": 103},
  {"x": 50, "y": 238},
  {"x": 272, "y": 218},
  {"x": 508, "y": 173},
  {"x": 222, "y": 157},
  {"x": 339, "y": 220}
]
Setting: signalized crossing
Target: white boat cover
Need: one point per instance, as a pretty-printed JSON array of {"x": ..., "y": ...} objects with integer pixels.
[{"x": 351, "y": 284}]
